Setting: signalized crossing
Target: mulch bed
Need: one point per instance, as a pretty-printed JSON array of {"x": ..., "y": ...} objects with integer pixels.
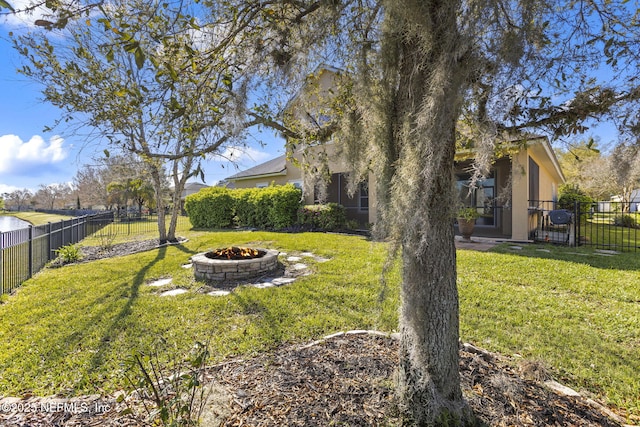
[
  {"x": 92, "y": 253},
  {"x": 347, "y": 380}
]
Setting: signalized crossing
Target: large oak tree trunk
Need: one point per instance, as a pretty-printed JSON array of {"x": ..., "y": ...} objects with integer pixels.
[
  {"x": 429, "y": 382},
  {"x": 431, "y": 78}
]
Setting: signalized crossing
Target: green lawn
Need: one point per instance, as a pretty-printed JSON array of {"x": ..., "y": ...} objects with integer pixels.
[
  {"x": 600, "y": 230},
  {"x": 575, "y": 310},
  {"x": 69, "y": 329},
  {"x": 37, "y": 218}
]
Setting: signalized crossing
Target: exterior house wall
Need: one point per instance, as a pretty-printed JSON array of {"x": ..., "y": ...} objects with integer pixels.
[
  {"x": 520, "y": 196},
  {"x": 311, "y": 104},
  {"x": 549, "y": 179},
  {"x": 505, "y": 214},
  {"x": 336, "y": 189},
  {"x": 261, "y": 181},
  {"x": 512, "y": 216}
]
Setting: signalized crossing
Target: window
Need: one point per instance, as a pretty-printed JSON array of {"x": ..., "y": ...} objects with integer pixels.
[
  {"x": 534, "y": 180},
  {"x": 297, "y": 184},
  {"x": 364, "y": 196}
]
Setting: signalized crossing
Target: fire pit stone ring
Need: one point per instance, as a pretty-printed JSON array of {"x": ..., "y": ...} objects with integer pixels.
[{"x": 219, "y": 270}]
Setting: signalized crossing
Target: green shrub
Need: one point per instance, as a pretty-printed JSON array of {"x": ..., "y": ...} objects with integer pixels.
[
  {"x": 570, "y": 195},
  {"x": 270, "y": 207},
  {"x": 273, "y": 207},
  {"x": 210, "y": 208},
  {"x": 261, "y": 201},
  {"x": 244, "y": 209},
  {"x": 626, "y": 220},
  {"x": 69, "y": 253},
  {"x": 330, "y": 216},
  {"x": 284, "y": 203}
]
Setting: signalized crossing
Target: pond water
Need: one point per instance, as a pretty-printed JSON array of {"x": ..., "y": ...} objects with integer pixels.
[{"x": 8, "y": 223}]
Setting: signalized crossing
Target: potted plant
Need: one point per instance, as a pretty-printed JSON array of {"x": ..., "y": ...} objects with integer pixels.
[{"x": 466, "y": 221}]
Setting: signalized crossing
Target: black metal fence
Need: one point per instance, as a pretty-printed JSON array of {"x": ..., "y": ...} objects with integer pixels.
[
  {"x": 603, "y": 225},
  {"x": 134, "y": 223},
  {"x": 26, "y": 251}
]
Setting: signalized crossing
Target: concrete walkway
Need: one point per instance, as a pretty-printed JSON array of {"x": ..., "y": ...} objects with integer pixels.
[{"x": 476, "y": 243}]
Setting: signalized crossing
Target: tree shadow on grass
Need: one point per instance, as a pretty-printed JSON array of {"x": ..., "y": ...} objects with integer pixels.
[
  {"x": 595, "y": 258},
  {"x": 183, "y": 248},
  {"x": 116, "y": 324}
]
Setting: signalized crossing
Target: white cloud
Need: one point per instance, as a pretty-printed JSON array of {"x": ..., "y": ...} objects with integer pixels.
[
  {"x": 26, "y": 13},
  {"x": 242, "y": 155},
  {"x": 8, "y": 189},
  {"x": 19, "y": 157}
]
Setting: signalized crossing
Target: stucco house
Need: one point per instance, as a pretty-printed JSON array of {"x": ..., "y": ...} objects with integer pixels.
[{"x": 507, "y": 199}]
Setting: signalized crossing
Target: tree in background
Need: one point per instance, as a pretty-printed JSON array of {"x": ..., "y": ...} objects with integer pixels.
[
  {"x": 92, "y": 182},
  {"x": 602, "y": 176},
  {"x": 135, "y": 189},
  {"x": 147, "y": 77},
  {"x": 586, "y": 168},
  {"x": 141, "y": 193},
  {"x": 18, "y": 199},
  {"x": 53, "y": 196},
  {"x": 625, "y": 163}
]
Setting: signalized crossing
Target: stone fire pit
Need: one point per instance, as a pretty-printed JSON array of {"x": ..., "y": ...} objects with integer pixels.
[{"x": 220, "y": 266}]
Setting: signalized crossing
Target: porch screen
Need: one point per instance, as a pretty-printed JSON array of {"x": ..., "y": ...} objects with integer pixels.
[{"x": 482, "y": 197}]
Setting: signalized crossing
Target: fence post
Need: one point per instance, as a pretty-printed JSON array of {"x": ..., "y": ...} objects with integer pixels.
[
  {"x": 30, "y": 251},
  {"x": 576, "y": 223},
  {"x": 1, "y": 264},
  {"x": 49, "y": 242}
]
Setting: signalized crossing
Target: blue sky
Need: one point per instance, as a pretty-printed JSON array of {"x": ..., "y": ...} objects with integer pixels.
[{"x": 30, "y": 157}]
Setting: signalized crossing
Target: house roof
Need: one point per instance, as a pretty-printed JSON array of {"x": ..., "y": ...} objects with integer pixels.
[
  {"x": 192, "y": 188},
  {"x": 273, "y": 167},
  {"x": 536, "y": 143}
]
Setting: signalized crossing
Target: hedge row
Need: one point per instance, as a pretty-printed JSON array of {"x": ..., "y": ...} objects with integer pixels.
[
  {"x": 210, "y": 208},
  {"x": 271, "y": 207},
  {"x": 330, "y": 216}
]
